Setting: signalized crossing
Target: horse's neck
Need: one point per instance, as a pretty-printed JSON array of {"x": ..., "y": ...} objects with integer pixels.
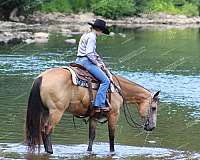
[{"x": 133, "y": 93}]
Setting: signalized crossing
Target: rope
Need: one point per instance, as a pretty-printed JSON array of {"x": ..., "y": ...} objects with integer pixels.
[
  {"x": 131, "y": 122},
  {"x": 74, "y": 122}
]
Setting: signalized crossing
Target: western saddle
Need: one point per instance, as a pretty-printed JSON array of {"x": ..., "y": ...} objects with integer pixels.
[
  {"x": 82, "y": 73},
  {"x": 85, "y": 76}
]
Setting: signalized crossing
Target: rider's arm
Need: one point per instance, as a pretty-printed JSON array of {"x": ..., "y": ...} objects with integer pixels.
[
  {"x": 90, "y": 50},
  {"x": 100, "y": 61}
]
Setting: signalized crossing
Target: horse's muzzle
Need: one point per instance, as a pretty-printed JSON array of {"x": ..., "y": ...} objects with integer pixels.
[{"x": 149, "y": 126}]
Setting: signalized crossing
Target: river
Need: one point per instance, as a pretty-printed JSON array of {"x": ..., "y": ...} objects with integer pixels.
[{"x": 158, "y": 59}]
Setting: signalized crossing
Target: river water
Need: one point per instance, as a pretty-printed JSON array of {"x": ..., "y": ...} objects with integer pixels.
[{"x": 158, "y": 59}]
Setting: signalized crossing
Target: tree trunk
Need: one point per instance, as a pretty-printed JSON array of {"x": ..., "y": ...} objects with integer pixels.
[{"x": 13, "y": 15}]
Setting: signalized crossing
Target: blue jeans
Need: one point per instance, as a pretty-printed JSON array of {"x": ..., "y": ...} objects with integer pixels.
[{"x": 100, "y": 99}]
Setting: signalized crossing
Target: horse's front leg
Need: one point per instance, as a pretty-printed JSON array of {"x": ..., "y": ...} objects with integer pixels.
[
  {"x": 112, "y": 121},
  {"x": 92, "y": 128}
]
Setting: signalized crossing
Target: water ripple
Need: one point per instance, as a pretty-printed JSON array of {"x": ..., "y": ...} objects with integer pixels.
[{"x": 100, "y": 150}]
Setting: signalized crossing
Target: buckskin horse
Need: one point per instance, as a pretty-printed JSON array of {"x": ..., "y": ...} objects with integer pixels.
[{"x": 54, "y": 93}]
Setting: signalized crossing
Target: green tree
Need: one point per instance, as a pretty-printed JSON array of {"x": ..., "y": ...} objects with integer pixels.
[
  {"x": 56, "y": 6},
  {"x": 197, "y": 3},
  {"x": 113, "y": 8},
  {"x": 11, "y": 8},
  {"x": 140, "y": 5},
  {"x": 78, "y": 5}
]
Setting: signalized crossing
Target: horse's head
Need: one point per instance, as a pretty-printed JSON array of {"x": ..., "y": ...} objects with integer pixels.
[{"x": 149, "y": 112}]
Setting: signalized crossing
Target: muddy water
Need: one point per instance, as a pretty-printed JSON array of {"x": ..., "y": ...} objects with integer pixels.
[{"x": 166, "y": 60}]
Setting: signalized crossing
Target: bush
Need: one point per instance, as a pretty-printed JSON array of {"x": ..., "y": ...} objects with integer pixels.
[
  {"x": 172, "y": 7},
  {"x": 113, "y": 8},
  {"x": 56, "y": 6},
  {"x": 189, "y": 9},
  {"x": 161, "y": 6},
  {"x": 78, "y": 5},
  {"x": 66, "y": 6}
]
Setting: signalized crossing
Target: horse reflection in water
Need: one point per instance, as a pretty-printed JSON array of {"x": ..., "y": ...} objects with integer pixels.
[{"x": 54, "y": 93}]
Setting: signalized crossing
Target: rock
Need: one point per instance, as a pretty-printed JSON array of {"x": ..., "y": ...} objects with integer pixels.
[
  {"x": 70, "y": 41},
  {"x": 41, "y": 35},
  {"x": 29, "y": 41},
  {"x": 83, "y": 28},
  {"x": 182, "y": 16},
  {"x": 69, "y": 36},
  {"x": 122, "y": 35},
  {"x": 7, "y": 34},
  {"x": 112, "y": 34},
  {"x": 41, "y": 40},
  {"x": 14, "y": 37},
  {"x": 21, "y": 18},
  {"x": 65, "y": 30}
]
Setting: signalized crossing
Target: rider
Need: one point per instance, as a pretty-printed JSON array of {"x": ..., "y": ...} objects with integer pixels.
[{"x": 88, "y": 57}]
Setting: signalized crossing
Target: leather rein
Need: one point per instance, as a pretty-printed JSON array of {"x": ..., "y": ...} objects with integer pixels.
[{"x": 128, "y": 116}]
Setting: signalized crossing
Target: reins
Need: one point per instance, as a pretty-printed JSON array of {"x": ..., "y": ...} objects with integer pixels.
[{"x": 128, "y": 116}]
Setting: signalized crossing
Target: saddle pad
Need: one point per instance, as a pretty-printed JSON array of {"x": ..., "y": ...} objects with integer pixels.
[{"x": 79, "y": 82}]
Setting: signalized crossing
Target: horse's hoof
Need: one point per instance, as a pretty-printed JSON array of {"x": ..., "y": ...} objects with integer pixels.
[
  {"x": 49, "y": 151},
  {"x": 89, "y": 151},
  {"x": 112, "y": 153}
]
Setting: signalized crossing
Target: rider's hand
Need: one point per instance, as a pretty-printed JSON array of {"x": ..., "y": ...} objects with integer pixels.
[
  {"x": 102, "y": 66},
  {"x": 99, "y": 65}
]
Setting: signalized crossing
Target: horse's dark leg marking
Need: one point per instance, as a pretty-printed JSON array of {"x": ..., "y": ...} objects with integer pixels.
[
  {"x": 47, "y": 143},
  {"x": 92, "y": 128},
  {"x": 112, "y": 120},
  {"x": 111, "y": 138}
]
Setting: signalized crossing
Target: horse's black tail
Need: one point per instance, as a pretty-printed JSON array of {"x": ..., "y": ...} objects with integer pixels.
[{"x": 34, "y": 117}]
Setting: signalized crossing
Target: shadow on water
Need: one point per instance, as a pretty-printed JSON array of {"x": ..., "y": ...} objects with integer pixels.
[{"x": 100, "y": 151}]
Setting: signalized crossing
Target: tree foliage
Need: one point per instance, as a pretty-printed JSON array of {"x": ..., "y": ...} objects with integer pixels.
[
  {"x": 56, "y": 6},
  {"x": 108, "y": 8},
  {"x": 186, "y": 7},
  {"x": 113, "y": 8}
]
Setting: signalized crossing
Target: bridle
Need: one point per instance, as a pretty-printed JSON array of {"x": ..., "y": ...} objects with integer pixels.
[{"x": 128, "y": 116}]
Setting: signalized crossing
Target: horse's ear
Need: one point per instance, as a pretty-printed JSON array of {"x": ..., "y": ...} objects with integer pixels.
[{"x": 156, "y": 95}]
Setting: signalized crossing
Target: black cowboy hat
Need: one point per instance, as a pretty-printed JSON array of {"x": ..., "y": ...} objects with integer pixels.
[{"x": 100, "y": 24}]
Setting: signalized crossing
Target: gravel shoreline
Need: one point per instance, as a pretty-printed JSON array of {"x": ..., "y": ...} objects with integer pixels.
[{"x": 69, "y": 24}]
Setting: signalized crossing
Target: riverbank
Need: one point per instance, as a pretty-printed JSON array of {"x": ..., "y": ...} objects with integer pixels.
[{"x": 70, "y": 24}]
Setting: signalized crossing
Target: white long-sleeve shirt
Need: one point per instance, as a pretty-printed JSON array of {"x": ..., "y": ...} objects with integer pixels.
[{"x": 87, "y": 48}]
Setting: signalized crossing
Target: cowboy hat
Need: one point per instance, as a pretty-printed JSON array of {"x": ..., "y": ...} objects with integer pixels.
[{"x": 100, "y": 24}]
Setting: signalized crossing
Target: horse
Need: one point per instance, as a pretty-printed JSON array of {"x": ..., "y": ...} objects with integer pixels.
[{"x": 53, "y": 93}]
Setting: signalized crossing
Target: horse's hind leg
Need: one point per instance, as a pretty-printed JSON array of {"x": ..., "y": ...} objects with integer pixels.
[
  {"x": 47, "y": 143},
  {"x": 92, "y": 128},
  {"x": 55, "y": 116}
]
